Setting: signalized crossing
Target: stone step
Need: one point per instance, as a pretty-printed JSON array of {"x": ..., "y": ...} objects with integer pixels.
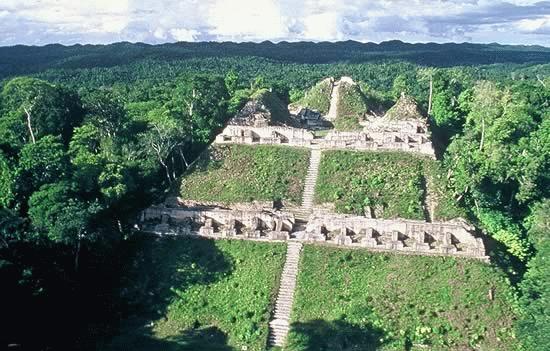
[{"x": 279, "y": 326}]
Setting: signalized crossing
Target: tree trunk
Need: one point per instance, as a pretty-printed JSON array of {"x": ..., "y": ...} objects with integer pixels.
[
  {"x": 167, "y": 171},
  {"x": 77, "y": 254},
  {"x": 430, "y": 98},
  {"x": 482, "y": 133},
  {"x": 173, "y": 167},
  {"x": 183, "y": 158},
  {"x": 541, "y": 81},
  {"x": 29, "y": 124}
]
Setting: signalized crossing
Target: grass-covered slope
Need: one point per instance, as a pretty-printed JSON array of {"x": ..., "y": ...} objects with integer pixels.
[
  {"x": 356, "y": 300},
  {"x": 351, "y": 107},
  {"x": 191, "y": 294},
  {"x": 394, "y": 184},
  {"x": 318, "y": 97},
  {"x": 389, "y": 182},
  {"x": 242, "y": 173}
]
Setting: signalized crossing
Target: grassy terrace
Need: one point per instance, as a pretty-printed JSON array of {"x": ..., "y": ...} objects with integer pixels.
[
  {"x": 393, "y": 183},
  {"x": 389, "y": 182},
  {"x": 242, "y": 173},
  {"x": 190, "y": 294},
  {"x": 356, "y": 300}
]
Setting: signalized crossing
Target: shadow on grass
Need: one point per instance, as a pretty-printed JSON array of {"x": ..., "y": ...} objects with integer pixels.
[
  {"x": 206, "y": 339},
  {"x": 154, "y": 273},
  {"x": 339, "y": 335}
]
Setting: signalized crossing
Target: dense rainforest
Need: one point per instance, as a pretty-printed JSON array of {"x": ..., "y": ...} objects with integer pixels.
[{"x": 91, "y": 135}]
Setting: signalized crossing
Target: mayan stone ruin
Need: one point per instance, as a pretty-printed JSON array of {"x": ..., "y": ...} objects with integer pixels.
[
  {"x": 402, "y": 128},
  {"x": 264, "y": 120}
]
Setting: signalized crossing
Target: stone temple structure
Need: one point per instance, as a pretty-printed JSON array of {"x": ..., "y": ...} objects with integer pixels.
[
  {"x": 402, "y": 128},
  {"x": 265, "y": 120},
  {"x": 268, "y": 224}
]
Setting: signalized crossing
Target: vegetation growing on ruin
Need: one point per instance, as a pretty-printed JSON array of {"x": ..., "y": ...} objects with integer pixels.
[
  {"x": 351, "y": 108},
  {"x": 243, "y": 173},
  {"x": 445, "y": 204},
  {"x": 279, "y": 111},
  {"x": 388, "y": 182},
  {"x": 393, "y": 184},
  {"x": 189, "y": 294},
  {"x": 113, "y": 126},
  {"x": 318, "y": 97},
  {"x": 351, "y": 299}
]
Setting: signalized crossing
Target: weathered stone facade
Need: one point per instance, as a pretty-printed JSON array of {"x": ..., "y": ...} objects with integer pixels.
[
  {"x": 372, "y": 141},
  {"x": 272, "y": 135},
  {"x": 449, "y": 238},
  {"x": 220, "y": 223},
  {"x": 407, "y": 236}
]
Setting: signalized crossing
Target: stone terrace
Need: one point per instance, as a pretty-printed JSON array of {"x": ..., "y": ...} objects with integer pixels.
[{"x": 405, "y": 236}]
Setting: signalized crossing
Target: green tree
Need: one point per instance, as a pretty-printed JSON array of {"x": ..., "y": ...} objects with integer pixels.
[
  {"x": 200, "y": 103},
  {"x": 57, "y": 213},
  {"x": 41, "y": 163},
  {"x": 7, "y": 176},
  {"x": 33, "y": 108},
  {"x": 534, "y": 327},
  {"x": 231, "y": 82}
]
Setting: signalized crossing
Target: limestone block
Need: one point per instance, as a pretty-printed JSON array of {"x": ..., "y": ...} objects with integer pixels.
[
  {"x": 369, "y": 242},
  {"x": 206, "y": 231},
  {"x": 421, "y": 247},
  {"x": 278, "y": 235},
  {"x": 342, "y": 239}
]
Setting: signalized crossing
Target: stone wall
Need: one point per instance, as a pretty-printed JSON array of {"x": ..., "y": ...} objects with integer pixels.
[
  {"x": 265, "y": 135},
  {"x": 379, "y": 140},
  {"x": 223, "y": 223},
  {"x": 452, "y": 238},
  {"x": 407, "y": 236},
  {"x": 372, "y": 141}
]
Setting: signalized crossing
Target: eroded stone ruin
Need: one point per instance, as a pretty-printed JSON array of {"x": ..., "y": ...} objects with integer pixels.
[
  {"x": 406, "y": 236},
  {"x": 403, "y": 128}
]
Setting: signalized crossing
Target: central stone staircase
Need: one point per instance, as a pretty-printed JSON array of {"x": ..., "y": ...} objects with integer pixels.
[
  {"x": 302, "y": 214},
  {"x": 279, "y": 324}
]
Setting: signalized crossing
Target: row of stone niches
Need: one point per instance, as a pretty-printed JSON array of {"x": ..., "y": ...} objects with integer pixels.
[{"x": 376, "y": 235}]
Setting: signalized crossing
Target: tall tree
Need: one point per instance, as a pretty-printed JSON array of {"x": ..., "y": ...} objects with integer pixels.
[{"x": 33, "y": 108}]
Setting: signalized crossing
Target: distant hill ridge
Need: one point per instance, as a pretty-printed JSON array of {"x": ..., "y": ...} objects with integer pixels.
[{"x": 21, "y": 59}]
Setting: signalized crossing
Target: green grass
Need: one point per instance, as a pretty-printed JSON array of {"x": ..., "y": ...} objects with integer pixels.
[
  {"x": 390, "y": 182},
  {"x": 447, "y": 207},
  {"x": 393, "y": 183},
  {"x": 356, "y": 300},
  {"x": 318, "y": 97},
  {"x": 351, "y": 107},
  {"x": 198, "y": 294},
  {"x": 242, "y": 173}
]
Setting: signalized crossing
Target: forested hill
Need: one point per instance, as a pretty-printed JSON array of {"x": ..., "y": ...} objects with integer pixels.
[{"x": 21, "y": 59}]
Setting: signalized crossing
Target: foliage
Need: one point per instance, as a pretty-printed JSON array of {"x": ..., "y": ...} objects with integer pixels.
[
  {"x": 407, "y": 302},
  {"x": 318, "y": 97},
  {"x": 494, "y": 165},
  {"x": 33, "y": 108},
  {"x": 534, "y": 327},
  {"x": 191, "y": 284},
  {"x": 351, "y": 108},
  {"x": 242, "y": 173},
  {"x": 6, "y": 182},
  {"x": 389, "y": 182},
  {"x": 505, "y": 231}
]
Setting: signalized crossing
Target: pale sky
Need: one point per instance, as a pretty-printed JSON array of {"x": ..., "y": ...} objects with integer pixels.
[{"x": 40, "y": 22}]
